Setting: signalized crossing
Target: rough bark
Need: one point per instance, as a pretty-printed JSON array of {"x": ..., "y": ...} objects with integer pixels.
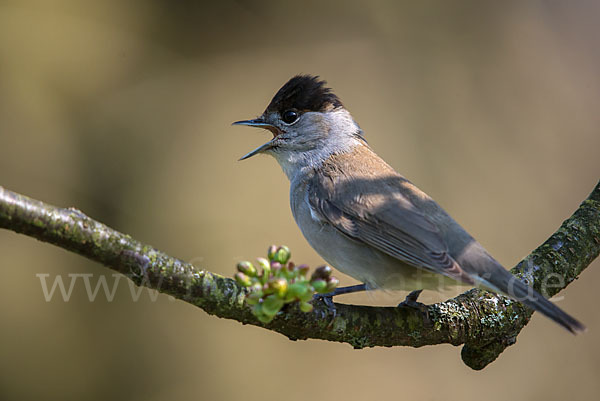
[{"x": 484, "y": 322}]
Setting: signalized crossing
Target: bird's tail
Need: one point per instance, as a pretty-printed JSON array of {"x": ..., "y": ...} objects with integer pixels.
[{"x": 502, "y": 281}]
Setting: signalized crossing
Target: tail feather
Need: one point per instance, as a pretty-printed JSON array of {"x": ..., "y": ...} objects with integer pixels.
[{"x": 504, "y": 282}]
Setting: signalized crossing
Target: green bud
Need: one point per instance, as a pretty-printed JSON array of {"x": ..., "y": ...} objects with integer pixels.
[
  {"x": 305, "y": 307},
  {"x": 271, "y": 252},
  {"x": 276, "y": 268},
  {"x": 263, "y": 264},
  {"x": 271, "y": 305},
  {"x": 332, "y": 283},
  {"x": 243, "y": 280},
  {"x": 321, "y": 272},
  {"x": 246, "y": 268},
  {"x": 282, "y": 255},
  {"x": 266, "y": 269},
  {"x": 297, "y": 290},
  {"x": 279, "y": 286},
  {"x": 319, "y": 285}
]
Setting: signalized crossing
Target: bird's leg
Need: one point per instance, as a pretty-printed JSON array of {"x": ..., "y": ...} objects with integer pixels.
[
  {"x": 411, "y": 300},
  {"x": 328, "y": 297},
  {"x": 343, "y": 290}
]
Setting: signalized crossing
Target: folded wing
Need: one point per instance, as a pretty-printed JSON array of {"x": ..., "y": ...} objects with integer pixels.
[{"x": 386, "y": 220}]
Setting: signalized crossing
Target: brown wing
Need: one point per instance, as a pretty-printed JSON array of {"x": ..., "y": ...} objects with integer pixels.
[{"x": 386, "y": 220}]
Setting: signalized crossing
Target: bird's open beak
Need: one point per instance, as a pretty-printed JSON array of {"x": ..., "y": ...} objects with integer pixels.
[{"x": 259, "y": 123}]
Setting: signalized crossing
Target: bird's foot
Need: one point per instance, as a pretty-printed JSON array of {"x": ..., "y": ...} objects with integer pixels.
[
  {"x": 327, "y": 298},
  {"x": 411, "y": 301}
]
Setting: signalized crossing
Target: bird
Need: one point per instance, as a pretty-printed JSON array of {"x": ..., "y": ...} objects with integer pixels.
[{"x": 364, "y": 218}]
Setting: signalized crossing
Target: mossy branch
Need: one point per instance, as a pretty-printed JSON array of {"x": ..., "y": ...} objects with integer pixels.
[{"x": 484, "y": 322}]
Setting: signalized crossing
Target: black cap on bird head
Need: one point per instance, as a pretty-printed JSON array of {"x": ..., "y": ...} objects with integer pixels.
[{"x": 304, "y": 93}]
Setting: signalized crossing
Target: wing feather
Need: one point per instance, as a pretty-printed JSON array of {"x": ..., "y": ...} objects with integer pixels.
[{"x": 391, "y": 223}]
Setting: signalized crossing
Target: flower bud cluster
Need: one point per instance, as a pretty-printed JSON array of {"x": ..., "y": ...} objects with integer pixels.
[{"x": 276, "y": 281}]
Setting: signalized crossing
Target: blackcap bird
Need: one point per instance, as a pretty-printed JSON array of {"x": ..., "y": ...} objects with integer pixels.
[{"x": 364, "y": 218}]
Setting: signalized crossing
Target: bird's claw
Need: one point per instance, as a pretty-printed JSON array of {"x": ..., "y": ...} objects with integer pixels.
[
  {"x": 327, "y": 299},
  {"x": 411, "y": 301}
]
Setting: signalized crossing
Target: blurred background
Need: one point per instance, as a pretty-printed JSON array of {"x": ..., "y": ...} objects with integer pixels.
[{"x": 123, "y": 109}]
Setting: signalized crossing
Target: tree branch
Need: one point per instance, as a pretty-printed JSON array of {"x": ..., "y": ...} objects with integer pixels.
[{"x": 486, "y": 323}]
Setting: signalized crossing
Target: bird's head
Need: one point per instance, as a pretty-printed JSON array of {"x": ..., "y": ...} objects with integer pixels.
[{"x": 308, "y": 122}]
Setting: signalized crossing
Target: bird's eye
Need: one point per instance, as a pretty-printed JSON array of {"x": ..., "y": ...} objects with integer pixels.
[{"x": 289, "y": 116}]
